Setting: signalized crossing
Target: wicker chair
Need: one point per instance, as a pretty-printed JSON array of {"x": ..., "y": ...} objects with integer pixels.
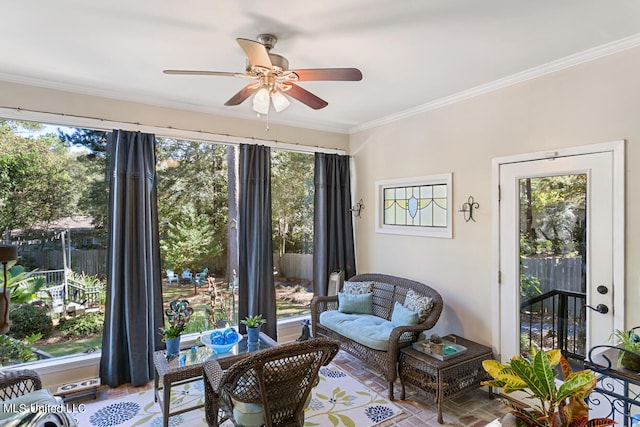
[
  {"x": 22, "y": 388},
  {"x": 386, "y": 291},
  {"x": 18, "y": 383},
  {"x": 270, "y": 387}
]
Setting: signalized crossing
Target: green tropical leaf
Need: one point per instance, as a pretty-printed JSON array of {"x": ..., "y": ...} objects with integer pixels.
[
  {"x": 363, "y": 393},
  {"x": 555, "y": 357},
  {"x": 322, "y": 396},
  {"x": 504, "y": 376},
  {"x": 526, "y": 373},
  {"x": 542, "y": 363},
  {"x": 579, "y": 385},
  {"x": 493, "y": 367}
]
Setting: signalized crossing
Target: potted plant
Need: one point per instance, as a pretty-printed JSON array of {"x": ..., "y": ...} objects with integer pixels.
[
  {"x": 178, "y": 315},
  {"x": 253, "y": 324},
  {"x": 563, "y": 406},
  {"x": 629, "y": 342}
]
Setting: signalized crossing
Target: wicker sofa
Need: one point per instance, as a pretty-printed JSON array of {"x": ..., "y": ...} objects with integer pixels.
[{"x": 387, "y": 290}]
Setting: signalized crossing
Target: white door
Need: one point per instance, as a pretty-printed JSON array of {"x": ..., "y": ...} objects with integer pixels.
[{"x": 531, "y": 244}]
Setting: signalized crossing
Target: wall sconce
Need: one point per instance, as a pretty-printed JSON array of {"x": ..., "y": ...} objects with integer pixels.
[
  {"x": 7, "y": 253},
  {"x": 467, "y": 209},
  {"x": 357, "y": 208}
]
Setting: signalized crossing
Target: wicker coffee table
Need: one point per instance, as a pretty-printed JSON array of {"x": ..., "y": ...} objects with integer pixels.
[
  {"x": 442, "y": 380},
  {"x": 169, "y": 373}
]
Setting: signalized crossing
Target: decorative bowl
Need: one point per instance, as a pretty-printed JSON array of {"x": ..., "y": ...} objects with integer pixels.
[{"x": 205, "y": 338}]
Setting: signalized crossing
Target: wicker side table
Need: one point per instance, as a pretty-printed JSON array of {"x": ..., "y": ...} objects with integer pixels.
[{"x": 444, "y": 380}]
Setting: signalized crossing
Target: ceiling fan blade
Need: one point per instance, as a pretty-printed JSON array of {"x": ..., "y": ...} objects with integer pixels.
[
  {"x": 305, "y": 97},
  {"x": 342, "y": 74},
  {"x": 256, "y": 53},
  {"x": 203, "y": 73},
  {"x": 241, "y": 96}
]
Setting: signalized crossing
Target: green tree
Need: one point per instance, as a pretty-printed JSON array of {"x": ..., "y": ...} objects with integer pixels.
[
  {"x": 292, "y": 196},
  {"x": 94, "y": 199},
  {"x": 189, "y": 242},
  {"x": 552, "y": 214},
  {"x": 192, "y": 178},
  {"x": 36, "y": 186}
]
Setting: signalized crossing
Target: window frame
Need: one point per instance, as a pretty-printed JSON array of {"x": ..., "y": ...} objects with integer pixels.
[{"x": 411, "y": 230}]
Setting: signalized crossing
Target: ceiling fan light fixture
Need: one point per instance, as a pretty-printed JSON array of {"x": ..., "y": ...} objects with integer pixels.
[
  {"x": 280, "y": 102},
  {"x": 261, "y": 101}
]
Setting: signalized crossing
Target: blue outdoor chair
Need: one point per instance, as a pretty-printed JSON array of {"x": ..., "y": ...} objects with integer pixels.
[
  {"x": 187, "y": 275},
  {"x": 172, "y": 277},
  {"x": 201, "y": 278}
]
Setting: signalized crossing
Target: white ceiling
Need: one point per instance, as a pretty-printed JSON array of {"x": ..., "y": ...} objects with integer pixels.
[{"x": 414, "y": 54}]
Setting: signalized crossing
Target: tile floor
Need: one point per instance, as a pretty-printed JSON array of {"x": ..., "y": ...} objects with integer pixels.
[{"x": 473, "y": 409}]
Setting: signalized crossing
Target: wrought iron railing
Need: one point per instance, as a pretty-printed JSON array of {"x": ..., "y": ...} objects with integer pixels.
[
  {"x": 617, "y": 391},
  {"x": 555, "y": 319}
]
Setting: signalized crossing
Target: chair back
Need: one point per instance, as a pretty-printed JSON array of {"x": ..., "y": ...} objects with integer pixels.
[
  {"x": 16, "y": 383},
  {"x": 280, "y": 379}
]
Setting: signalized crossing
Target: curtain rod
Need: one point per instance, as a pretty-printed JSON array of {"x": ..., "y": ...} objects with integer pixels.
[{"x": 71, "y": 120}]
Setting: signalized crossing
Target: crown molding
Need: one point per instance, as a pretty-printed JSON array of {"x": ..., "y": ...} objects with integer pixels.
[{"x": 530, "y": 74}]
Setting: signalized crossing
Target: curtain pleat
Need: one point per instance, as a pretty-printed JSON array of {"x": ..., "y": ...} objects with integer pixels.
[
  {"x": 333, "y": 246},
  {"x": 255, "y": 277},
  {"x": 133, "y": 307}
]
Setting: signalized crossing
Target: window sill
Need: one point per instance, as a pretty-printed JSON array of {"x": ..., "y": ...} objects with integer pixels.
[{"x": 61, "y": 370}]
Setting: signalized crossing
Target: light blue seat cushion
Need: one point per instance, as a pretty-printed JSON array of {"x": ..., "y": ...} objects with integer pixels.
[
  {"x": 252, "y": 414},
  {"x": 367, "y": 329},
  {"x": 248, "y": 414}
]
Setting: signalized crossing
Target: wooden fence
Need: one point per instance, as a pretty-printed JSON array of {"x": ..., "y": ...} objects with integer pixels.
[
  {"x": 551, "y": 271},
  {"x": 555, "y": 273},
  {"x": 92, "y": 262}
]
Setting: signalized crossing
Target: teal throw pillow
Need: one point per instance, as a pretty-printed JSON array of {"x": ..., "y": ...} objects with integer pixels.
[
  {"x": 402, "y": 316},
  {"x": 355, "y": 303}
]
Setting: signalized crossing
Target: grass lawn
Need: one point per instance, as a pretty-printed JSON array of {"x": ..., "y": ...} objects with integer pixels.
[
  {"x": 79, "y": 345},
  {"x": 289, "y": 303}
]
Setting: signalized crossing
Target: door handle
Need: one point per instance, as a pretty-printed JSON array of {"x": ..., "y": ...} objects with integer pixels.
[{"x": 600, "y": 308}]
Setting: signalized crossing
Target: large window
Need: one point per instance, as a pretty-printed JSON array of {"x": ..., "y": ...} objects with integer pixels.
[
  {"x": 292, "y": 194},
  {"x": 54, "y": 206}
]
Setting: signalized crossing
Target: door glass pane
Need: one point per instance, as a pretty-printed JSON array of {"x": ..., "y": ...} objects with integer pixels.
[{"x": 552, "y": 224}]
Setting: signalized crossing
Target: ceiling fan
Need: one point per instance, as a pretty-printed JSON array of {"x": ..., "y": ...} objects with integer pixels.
[{"x": 273, "y": 79}]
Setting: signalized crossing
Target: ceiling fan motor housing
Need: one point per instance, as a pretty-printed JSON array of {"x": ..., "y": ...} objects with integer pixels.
[{"x": 268, "y": 40}]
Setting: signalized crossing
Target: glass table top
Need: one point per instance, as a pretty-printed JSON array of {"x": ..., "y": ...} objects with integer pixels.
[{"x": 199, "y": 354}]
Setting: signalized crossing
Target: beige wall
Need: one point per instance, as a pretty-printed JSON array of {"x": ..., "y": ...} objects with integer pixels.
[
  {"x": 54, "y": 101},
  {"x": 587, "y": 104}
]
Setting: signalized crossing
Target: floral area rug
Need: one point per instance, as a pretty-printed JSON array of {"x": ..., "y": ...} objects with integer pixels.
[{"x": 338, "y": 400}]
